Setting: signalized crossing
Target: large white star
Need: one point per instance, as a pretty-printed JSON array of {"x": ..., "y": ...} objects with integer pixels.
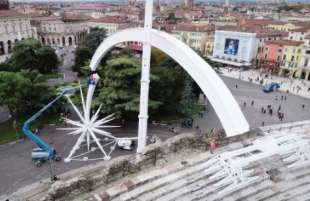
[{"x": 89, "y": 127}]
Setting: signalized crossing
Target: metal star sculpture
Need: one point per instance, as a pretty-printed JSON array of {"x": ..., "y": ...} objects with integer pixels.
[{"x": 90, "y": 128}]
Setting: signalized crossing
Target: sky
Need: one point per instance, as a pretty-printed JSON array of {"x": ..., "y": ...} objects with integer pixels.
[{"x": 303, "y": 1}]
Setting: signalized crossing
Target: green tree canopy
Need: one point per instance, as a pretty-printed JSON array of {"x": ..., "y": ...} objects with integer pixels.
[
  {"x": 88, "y": 47},
  {"x": 170, "y": 86},
  {"x": 13, "y": 89},
  {"x": 22, "y": 92},
  {"x": 32, "y": 55},
  {"x": 121, "y": 88}
]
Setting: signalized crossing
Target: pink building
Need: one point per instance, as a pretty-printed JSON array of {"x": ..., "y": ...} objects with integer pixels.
[{"x": 272, "y": 53}]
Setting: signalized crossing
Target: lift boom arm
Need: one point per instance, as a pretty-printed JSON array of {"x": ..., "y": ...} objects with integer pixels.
[{"x": 33, "y": 137}]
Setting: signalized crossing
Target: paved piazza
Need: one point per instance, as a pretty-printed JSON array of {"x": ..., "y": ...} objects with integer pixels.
[{"x": 18, "y": 170}]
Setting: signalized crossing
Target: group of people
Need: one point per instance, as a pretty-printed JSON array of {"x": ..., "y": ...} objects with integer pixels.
[
  {"x": 187, "y": 123},
  {"x": 283, "y": 98},
  {"x": 270, "y": 111}
]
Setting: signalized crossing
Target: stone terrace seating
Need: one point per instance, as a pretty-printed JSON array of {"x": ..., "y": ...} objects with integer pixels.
[{"x": 206, "y": 177}]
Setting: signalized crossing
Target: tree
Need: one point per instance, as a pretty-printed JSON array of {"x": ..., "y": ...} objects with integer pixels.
[
  {"x": 82, "y": 55},
  {"x": 169, "y": 86},
  {"x": 5, "y": 66},
  {"x": 188, "y": 97},
  {"x": 88, "y": 47},
  {"x": 93, "y": 39},
  {"x": 23, "y": 92},
  {"x": 32, "y": 55},
  {"x": 13, "y": 90},
  {"x": 121, "y": 88}
]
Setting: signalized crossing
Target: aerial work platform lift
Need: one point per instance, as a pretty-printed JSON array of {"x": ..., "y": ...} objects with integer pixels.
[{"x": 44, "y": 151}]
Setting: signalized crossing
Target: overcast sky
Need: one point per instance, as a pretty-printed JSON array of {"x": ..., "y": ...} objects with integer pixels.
[{"x": 304, "y": 1}]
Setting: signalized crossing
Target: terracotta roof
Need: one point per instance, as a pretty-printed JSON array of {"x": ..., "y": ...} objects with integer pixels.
[
  {"x": 260, "y": 31},
  {"x": 285, "y": 42},
  {"x": 75, "y": 18},
  {"x": 10, "y": 13},
  {"x": 269, "y": 33},
  {"x": 257, "y": 22},
  {"x": 111, "y": 19},
  {"x": 247, "y": 29},
  {"x": 302, "y": 29},
  {"x": 193, "y": 28},
  {"x": 279, "y": 23}
]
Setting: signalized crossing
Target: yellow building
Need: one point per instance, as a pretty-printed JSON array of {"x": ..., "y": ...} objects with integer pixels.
[
  {"x": 291, "y": 57},
  {"x": 282, "y": 26},
  {"x": 194, "y": 35},
  {"x": 209, "y": 45}
]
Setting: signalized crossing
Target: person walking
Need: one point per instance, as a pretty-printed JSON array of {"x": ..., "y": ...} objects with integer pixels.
[
  {"x": 270, "y": 111},
  {"x": 244, "y": 104},
  {"x": 252, "y": 103},
  {"x": 303, "y": 106}
]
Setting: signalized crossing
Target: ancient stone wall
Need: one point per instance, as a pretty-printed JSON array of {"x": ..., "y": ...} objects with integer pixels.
[{"x": 87, "y": 178}]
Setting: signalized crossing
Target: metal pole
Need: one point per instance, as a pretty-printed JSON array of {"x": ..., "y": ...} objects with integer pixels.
[
  {"x": 145, "y": 77},
  {"x": 53, "y": 177}
]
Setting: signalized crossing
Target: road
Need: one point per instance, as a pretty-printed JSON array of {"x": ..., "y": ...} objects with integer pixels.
[
  {"x": 67, "y": 57},
  {"x": 17, "y": 169}
]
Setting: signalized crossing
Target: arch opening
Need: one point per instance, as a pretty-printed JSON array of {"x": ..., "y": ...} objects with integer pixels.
[{"x": 224, "y": 104}]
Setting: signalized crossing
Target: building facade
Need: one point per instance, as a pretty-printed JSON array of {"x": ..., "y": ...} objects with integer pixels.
[
  {"x": 4, "y": 5},
  {"x": 291, "y": 58},
  {"x": 194, "y": 35},
  {"x": 304, "y": 71},
  {"x": 111, "y": 24},
  {"x": 234, "y": 48},
  {"x": 59, "y": 31},
  {"x": 13, "y": 27}
]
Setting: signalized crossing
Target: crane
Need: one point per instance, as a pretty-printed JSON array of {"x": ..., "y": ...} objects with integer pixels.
[{"x": 44, "y": 151}]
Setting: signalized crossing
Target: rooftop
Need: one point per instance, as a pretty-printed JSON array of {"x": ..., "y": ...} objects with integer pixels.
[
  {"x": 285, "y": 42},
  {"x": 10, "y": 14},
  {"x": 193, "y": 28}
]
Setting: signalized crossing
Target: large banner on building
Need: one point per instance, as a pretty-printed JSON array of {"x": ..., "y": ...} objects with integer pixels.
[{"x": 231, "y": 46}]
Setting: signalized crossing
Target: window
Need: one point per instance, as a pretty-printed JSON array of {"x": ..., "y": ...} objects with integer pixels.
[
  {"x": 278, "y": 58},
  {"x": 279, "y": 50},
  {"x": 306, "y": 62},
  {"x": 2, "y": 48},
  {"x": 6, "y": 28},
  {"x": 284, "y": 57},
  {"x": 13, "y": 28},
  {"x": 9, "y": 46},
  {"x": 292, "y": 58}
]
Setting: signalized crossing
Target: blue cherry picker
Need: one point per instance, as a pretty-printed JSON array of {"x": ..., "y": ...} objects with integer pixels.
[{"x": 43, "y": 152}]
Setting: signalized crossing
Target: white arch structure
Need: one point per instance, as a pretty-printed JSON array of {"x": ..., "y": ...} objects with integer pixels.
[{"x": 226, "y": 107}]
